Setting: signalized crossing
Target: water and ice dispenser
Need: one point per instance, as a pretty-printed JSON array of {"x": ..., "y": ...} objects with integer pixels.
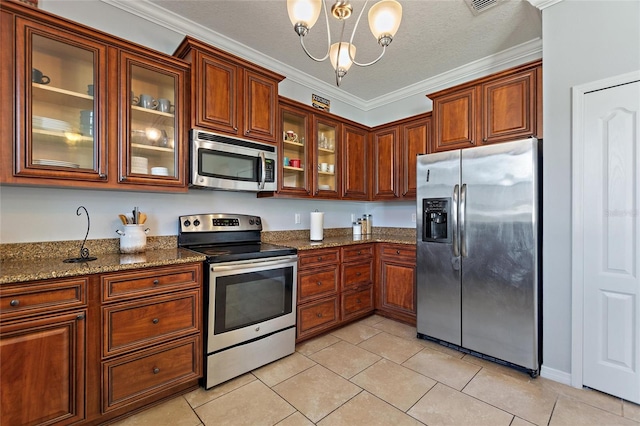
[{"x": 436, "y": 220}]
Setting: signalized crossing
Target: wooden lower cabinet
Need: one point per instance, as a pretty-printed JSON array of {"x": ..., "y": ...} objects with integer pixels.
[
  {"x": 43, "y": 369},
  {"x": 396, "y": 295},
  {"x": 318, "y": 316},
  {"x": 357, "y": 302},
  {"x": 90, "y": 349}
]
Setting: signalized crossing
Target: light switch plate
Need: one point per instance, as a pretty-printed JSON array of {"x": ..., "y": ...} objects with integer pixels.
[{"x": 297, "y": 218}]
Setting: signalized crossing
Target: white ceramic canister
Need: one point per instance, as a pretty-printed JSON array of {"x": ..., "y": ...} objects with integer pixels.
[{"x": 133, "y": 239}]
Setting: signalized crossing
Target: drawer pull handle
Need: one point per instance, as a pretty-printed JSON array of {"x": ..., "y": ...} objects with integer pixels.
[
  {"x": 80, "y": 317},
  {"x": 156, "y": 282},
  {"x": 14, "y": 302},
  {"x": 397, "y": 251},
  {"x": 156, "y": 370},
  {"x": 319, "y": 315},
  {"x": 155, "y": 320},
  {"x": 319, "y": 283},
  {"x": 257, "y": 329}
]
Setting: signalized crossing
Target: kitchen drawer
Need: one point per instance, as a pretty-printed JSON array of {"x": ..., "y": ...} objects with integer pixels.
[
  {"x": 130, "y": 378},
  {"x": 129, "y": 326},
  {"x": 150, "y": 281},
  {"x": 398, "y": 250},
  {"x": 42, "y": 296},
  {"x": 317, "y": 283},
  {"x": 354, "y": 274},
  {"x": 313, "y": 258},
  {"x": 316, "y": 316},
  {"x": 357, "y": 252},
  {"x": 357, "y": 302}
]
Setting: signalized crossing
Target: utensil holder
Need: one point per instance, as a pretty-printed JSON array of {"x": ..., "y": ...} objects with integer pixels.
[{"x": 133, "y": 239}]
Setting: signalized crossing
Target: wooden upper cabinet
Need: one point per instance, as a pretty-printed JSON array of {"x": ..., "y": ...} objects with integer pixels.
[
  {"x": 455, "y": 117},
  {"x": 416, "y": 140},
  {"x": 229, "y": 95},
  {"x": 386, "y": 163},
  {"x": 502, "y": 107},
  {"x": 355, "y": 182},
  {"x": 509, "y": 107}
]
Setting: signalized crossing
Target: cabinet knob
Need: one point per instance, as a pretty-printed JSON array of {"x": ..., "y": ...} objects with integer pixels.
[
  {"x": 247, "y": 132},
  {"x": 102, "y": 176},
  {"x": 235, "y": 128},
  {"x": 319, "y": 315},
  {"x": 257, "y": 329},
  {"x": 359, "y": 252},
  {"x": 319, "y": 257},
  {"x": 397, "y": 251},
  {"x": 155, "y": 320},
  {"x": 358, "y": 301},
  {"x": 319, "y": 283},
  {"x": 156, "y": 370},
  {"x": 471, "y": 142},
  {"x": 156, "y": 282},
  {"x": 80, "y": 317},
  {"x": 123, "y": 178},
  {"x": 484, "y": 139},
  {"x": 14, "y": 302},
  {"x": 358, "y": 274}
]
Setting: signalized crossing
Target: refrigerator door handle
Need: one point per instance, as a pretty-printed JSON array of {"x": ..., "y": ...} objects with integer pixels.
[
  {"x": 463, "y": 214},
  {"x": 454, "y": 216}
]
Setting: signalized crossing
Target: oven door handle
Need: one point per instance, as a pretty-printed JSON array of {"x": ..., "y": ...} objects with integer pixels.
[{"x": 230, "y": 266}]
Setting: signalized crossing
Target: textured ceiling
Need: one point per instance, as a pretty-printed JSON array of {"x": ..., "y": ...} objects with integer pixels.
[{"x": 435, "y": 36}]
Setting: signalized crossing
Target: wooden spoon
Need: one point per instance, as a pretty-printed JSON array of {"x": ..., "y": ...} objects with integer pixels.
[
  {"x": 123, "y": 219},
  {"x": 143, "y": 218}
]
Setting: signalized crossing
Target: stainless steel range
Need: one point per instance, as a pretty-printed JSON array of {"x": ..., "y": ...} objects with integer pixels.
[{"x": 249, "y": 293}]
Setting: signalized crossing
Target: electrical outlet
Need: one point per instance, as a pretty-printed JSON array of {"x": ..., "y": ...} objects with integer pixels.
[
  {"x": 297, "y": 218},
  {"x": 353, "y": 217},
  {"x": 413, "y": 217}
]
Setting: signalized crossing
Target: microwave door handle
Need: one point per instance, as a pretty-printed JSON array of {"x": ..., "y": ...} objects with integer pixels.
[{"x": 263, "y": 174}]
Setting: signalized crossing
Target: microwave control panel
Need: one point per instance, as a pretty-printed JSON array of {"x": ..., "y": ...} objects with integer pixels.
[{"x": 270, "y": 170}]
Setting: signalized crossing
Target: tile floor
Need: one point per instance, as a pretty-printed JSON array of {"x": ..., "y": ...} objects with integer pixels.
[{"x": 375, "y": 372}]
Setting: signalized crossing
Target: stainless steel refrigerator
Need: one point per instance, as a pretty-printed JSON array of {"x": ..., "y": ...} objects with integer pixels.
[{"x": 478, "y": 251}]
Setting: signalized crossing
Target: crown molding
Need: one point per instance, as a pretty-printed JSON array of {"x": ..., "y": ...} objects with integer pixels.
[
  {"x": 543, "y": 4},
  {"x": 516, "y": 55}
]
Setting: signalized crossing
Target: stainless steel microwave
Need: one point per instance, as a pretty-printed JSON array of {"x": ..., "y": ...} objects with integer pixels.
[{"x": 232, "y": 164}]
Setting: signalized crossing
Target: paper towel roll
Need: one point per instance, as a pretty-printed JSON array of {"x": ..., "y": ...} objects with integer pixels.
[{"x": 317, "y": 225}]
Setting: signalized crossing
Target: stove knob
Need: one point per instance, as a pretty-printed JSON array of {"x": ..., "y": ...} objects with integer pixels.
[
  {"x": 196, "y": 222},
  {"x": 258, "y": 221},
  {"x": 186, "y": 223},
  {"x": 251, "y": 221}
]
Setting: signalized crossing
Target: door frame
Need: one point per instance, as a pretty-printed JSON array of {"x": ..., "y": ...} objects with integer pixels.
[{"x": 578, "y": 94}]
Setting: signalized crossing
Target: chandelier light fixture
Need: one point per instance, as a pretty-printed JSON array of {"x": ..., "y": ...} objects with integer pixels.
[{"x": 384, "y": 21}]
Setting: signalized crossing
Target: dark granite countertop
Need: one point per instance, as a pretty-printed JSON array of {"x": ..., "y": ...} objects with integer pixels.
[
  {"x": 338, "y": 241},
  {"x": 22, "y": 270}
]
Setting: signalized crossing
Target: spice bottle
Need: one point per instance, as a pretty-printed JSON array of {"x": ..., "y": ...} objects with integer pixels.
[
  {"x": 357, "y": 229},
  {"x": 365, "y": 224},
  {"x": 369, "y": 219}
]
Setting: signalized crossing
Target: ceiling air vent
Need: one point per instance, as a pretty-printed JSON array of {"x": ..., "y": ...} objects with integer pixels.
[{"x": 478, "y": 6}]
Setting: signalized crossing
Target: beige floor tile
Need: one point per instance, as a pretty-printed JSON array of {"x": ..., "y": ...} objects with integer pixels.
[
  {"x": 441, "y": 348},
  {"x": 526, "y": 400},
  {"x": 443, "y": 405},
  {"x": 316, "y": 392},
  {"x": 588, "y": 396},
  {"x": 452, "y": 372},
  {"x": 173, "y": 412},
  {"x": 355, "y": 333},
  {"x": 391, "y": 347},
  {"x": 366, "y": 409},
  {"x": 371, "y": 320},
  {"x": 345, "y": 359},
  {"x": 517, "y": 421},
  {"x": 296, "y": 419},
  {"x": 571, "y": 412},
  {"x": 397, "y": 328},
  {"x": 282, "y": 369},
  {"x": 200, "y": 396},
  {"x": 311, "y": 346},
  {"x": 253, "y": 404},
  {"x": 394, "y": 384},
  {"x": 503, "y": 369},
  {"x": 631, "y": 411}
]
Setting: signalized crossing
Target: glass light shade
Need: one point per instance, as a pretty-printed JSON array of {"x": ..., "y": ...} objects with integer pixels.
[
  {"x": 344, "y": 62},
  {"x": 304, "y": 12},
  {"x": 384, "y": 18}
]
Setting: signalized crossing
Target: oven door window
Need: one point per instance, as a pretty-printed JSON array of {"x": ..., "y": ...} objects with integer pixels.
[
  {"x": 228, "y": 165},
  {"x": 250, "y": 298}
]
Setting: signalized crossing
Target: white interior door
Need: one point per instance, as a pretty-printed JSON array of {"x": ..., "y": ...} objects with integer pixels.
[{"x": 611, "y": 240}]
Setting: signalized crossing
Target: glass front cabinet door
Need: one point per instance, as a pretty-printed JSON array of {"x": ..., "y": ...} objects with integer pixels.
[
  {"x": 295, "y": 177},
  {"x": 327, "y": 162},
  {"x": 59, "y": 81},
  {"x": 151, "y": 101}
]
